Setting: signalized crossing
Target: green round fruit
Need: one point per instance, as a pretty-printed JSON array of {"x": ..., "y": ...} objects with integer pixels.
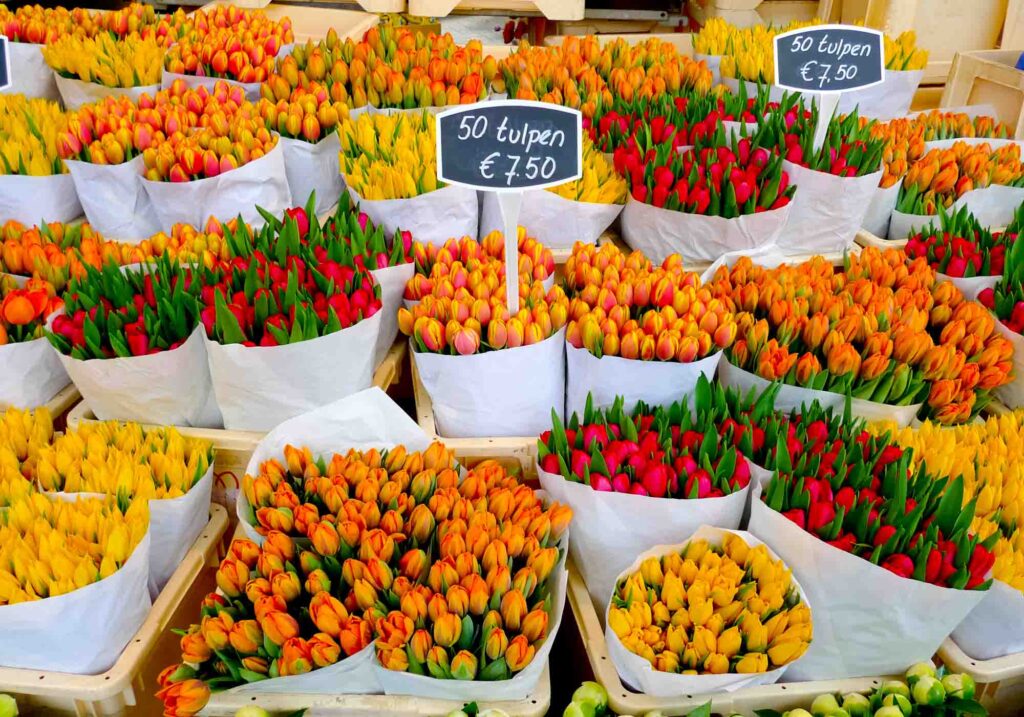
[
  {"x": 959, "y": 686},
  {"x": 894, "y": 687},
  {"x": 929, "y": 691},
  {"x": 8, "y": 707},
  {"x": 824, "y": 705},
  {"x": 857, "y": 704},
  {"x": 919, "y": 670}
]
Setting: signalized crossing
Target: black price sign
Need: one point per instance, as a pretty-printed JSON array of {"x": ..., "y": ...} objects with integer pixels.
[
  {"x": 5, "y": 64},
  {"x": 829, "y": 58},
  {"x": 509, "y": 145}
]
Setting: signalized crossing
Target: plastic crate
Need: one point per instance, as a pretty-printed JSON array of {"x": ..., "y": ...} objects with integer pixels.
[
  {"x": 780, "y": 696},
  {"x": 988, "y": 78},
  {"x": 114, "y": 691},
  {"x": 1000, "y": 682}
]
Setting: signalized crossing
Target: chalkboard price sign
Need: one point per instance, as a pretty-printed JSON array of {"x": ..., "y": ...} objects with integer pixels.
[
  {"x": 509, "y": 145},
  {"x": 5, "y": 64},
  {"x": 829, "y": 58}
]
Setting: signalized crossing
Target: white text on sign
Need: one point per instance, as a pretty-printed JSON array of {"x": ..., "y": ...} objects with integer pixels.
[{"x": 838, "y": 49}]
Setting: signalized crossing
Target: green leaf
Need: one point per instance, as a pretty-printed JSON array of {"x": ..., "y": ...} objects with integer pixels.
[
  {"x": 228, "y": 329},
  {"x": 950, "y": 506}
]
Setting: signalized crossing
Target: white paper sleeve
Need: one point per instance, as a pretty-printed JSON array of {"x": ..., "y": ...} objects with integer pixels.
[
  {"x": 433, "y": 218},
  {"x": 364, "y": 420},
  {"x": 261, "y": 182},
  {"x": 313, "y": 167},
  {"x": 32, "y": 374},
  {"x": 509, "y": 392},
  {"x": 34, "y": 200},
  {"x": 166, "y": 388},
  {"x": 891, "y": 98},
  {"x": 76, "y": 93},
  {"x": 29, "y": 74},
  {"x": 555, "y": 221},
  {"x": 354, "y": 675},
  {"x": 827, "y": 210},
  {"x": 82, "y": 632},
  {"x": 174, "y": 525},
  {"x": 993, "y": 628},
  {"x": 714, "y": 63},
  {"x": 1012, "y": 394},
  {"x": 883, "y": 202},
  {"x": 609, "y": 529},
  {"x": 971, "y": 286},
  {"x": 251, "y": 89},
  {"x": 115, "y": 202},
  {"x": 853, "y": 636},
  {"x": 639, "y": 674},
  {"x": 258, "y": 387},
  {"x": 656, "y": 383},
  {"x": 790, "y": 398},
  {"x": 660, "y": 232},
  {"x": 519, "y": 687},
  {"x": 392, "y": 282},
  {"x": 992, "y": 206}
]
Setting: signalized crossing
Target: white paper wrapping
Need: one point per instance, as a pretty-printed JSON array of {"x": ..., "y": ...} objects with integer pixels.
[
  {"x": 174, "y": 525},
  {"x": 639, "y": 674},
  {"x": 519, "y": 687},
  {"x": 1012, "y": 394},
  {"x": 313, "y": 167},
  {"x": 235, "y": 193},
  {"x": 656, "y": 383},
  {"x": 555, "y": 221},
  {"x": 883, "y": 202},
  {"x": 82, "y": 632},
  {"x": 258, "y": 387},
  {"x": 993, "y": 142},
  {"x": 29, "y": 73},
  {"x": 993, "y": 628},
  {"x": 32, "y": 374},
  {"x": 433, "y": 218},
  {"x": 992, "y": 206},
  {"x": 251, "y": 89},
  {"x": 791, "y": 398},
  {"x": 355, "y": 675},
  {"x": 364, "y": 420},
  {"x": 610, "y": 529},
  {"x": 34, "y": 200},
  {"x": 392, "y": 282},
  {"x": 970, "y": 286},
  {"x": 166, "y": 388},
  {"x": 890, "y": 98},
  {"x": 660, "y": 232},
  {"x": 714, "y": 63},
  {"x": 76, "y": 93},
  {"x": 115, "y": 202},
  {"x": 509, "y": 392},
  {"x": 853, "y": 635},
  {"x": 827, "y": 210}
]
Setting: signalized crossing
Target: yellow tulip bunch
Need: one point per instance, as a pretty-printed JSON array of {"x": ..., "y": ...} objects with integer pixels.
[
  {"x": 902, "y": 52},
  {"x": 600, "y": 183},
  {"x": 106, "y": 61},
  {"x": 52, "y": 547},
  {"x": 712, "y": 610},
  {"x": 715, "y": 37},
  {"x": 23, "y": 434},
  {"x": 990, "y": 457},
  {"x": 28, "y": 136},
  {"x": 389, "y": 156},
  {"x": 123, "y": 460}
]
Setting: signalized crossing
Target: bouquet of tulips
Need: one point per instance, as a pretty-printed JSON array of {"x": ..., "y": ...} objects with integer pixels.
[
  {"x": 882, "y": 525},
  {"x": 988, "y": 181},
  {"x": 987, "y": 456},
  {"x": 696, "y": 614},
  {"x": 704, "y": 202},
  {"x": 962, "y": 250},
  {"x": 646, "y": 122},
  {"x": 447, "y": 602},
  {"x": 32, "y": 372},
  {"x": 174, "y": 474},
  {"x": 1006, "y": 302},
  {"x": 638, "y": 332},
  {"x": 651, "y": 474},
  {"x": 281, "y": 313},
  {"x": 89, "y": 69},
  {"x": 601, "y": 72},
  {"x": 187, "y": 244},
  {"x": 131, "y": 342},
  {"x": 863, "y": 334},
  {"x": 471, "y": 328},
  {"x": 392, "y": 157},
  {"x": 213, "y": 171},
  {"x": 54, "y": 548},
  {"x": 307, "y": 121}
]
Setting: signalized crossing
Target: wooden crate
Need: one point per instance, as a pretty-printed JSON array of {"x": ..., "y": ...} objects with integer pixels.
[
  {"x": 312, "y": 23},
  {"x": 1000, "y": 681},
  {"x": 866, "y": 238},
  {"x": 234, "y": 448},
  {"x": 744, "y": 13},
  {"x": 551, "y": 9},
  {"x": 114, "y": 691},
  {"x": 988, "y": 77},
  {"x": 744, "y": 701}
]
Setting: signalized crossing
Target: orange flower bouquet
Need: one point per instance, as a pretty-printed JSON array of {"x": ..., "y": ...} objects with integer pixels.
[{"x": 32, "y": 372}]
